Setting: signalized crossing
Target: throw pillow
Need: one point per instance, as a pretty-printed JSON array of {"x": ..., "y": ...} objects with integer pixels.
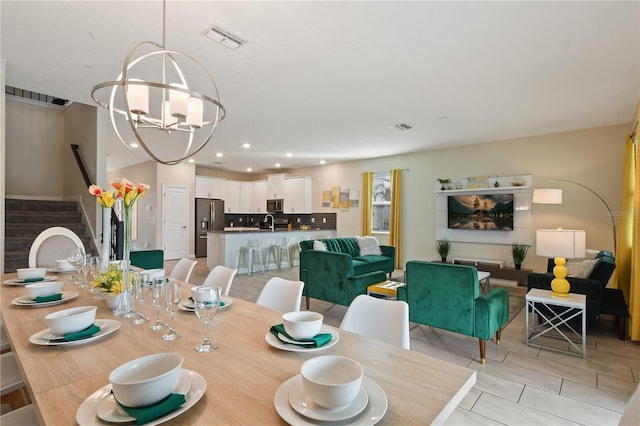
[
  {"x": 319, "y": 245},
  {"x": 588, "y": 255},
  {"x": 369, "y": 246},
  {"x": 580, "y": 269}
]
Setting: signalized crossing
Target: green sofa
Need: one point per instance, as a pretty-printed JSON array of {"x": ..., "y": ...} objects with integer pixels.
[
  {"x": 339, "y": 274},
  {"x": 448, "y": 296}
]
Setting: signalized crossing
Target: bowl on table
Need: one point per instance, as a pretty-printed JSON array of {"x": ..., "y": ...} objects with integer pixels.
[
  {"x": 146, "y": 380},
  {"x": 71, "y": 320},
  {"x": 31, "y": 273},
  {"x": 331, "y": 381},
  {"x": 302, "y": 324},
  {"x": 207, "y": 297},
  {"x": 36, "y": 290},
  {"x": 63, "y": 265}
]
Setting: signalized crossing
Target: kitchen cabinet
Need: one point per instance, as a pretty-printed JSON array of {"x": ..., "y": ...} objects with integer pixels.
[
  {"x": 209, "y": 187},
  {"x": 232, "y": 196},
  {"x": 245, "y": 197},
  {"x": 258, "y": 197},
  {"x": 297, "y": 195},
  {"x": 275, "y": 186}
]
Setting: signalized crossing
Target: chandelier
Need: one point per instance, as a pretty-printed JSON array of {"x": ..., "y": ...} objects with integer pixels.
[{"x": 154, "y": 105}]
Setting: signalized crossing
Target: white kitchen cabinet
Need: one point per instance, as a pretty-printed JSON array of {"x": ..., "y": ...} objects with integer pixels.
[
  {"x": 245, "y": 197},
  {"x": 297, "y": 195},
  {"x": 232, "y": 196},
  {"x": 275, "y": 186},
  {"x": 258, "y": 197},
  {"x": 209, "y": 187}
]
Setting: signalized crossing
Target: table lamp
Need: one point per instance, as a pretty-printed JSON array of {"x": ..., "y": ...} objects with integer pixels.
[{"x": 560, "y": 244}]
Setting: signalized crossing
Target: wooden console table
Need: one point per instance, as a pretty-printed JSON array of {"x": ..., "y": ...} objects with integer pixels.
[{"x": 506, "y": 273}]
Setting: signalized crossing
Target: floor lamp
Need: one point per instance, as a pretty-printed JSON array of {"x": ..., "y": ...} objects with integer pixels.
[
  {"x": 554, "y": 196},
  {"x": 560, "y": 244}
]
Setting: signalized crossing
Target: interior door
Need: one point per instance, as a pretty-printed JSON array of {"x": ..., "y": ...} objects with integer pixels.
[{"x": 175, "y": 219}]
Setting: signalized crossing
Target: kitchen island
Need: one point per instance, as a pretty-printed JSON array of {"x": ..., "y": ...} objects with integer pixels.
[{"x": 223, "y": 247}]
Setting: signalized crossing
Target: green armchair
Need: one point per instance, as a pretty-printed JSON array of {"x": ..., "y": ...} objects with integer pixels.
[{"x": 448, "y": 296}]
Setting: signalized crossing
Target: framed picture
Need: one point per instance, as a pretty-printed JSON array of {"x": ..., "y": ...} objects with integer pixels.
[
  {"x": 335, "y": 194},
  {"x": 354, "y": 198},
  {"x": 327, "y": 198},
  {"x": 344, "y": 199}
]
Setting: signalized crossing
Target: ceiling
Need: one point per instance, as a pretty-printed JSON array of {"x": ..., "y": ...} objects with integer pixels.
[{"x": 329, "y": 80}]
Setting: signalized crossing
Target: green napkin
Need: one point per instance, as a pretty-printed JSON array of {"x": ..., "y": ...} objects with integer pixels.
[
  {"x": 318, "y": 340},
  {"x": 87, "y": 332},
  {"x": 33, "y": 280},
  {"x": 193, "y": 301},
  {"x": 154, "y": 411},
  {"x": 50, "y": 298}
]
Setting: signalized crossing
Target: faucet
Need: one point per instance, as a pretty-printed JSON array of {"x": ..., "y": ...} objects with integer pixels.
[{"x": 273, "y": 225}]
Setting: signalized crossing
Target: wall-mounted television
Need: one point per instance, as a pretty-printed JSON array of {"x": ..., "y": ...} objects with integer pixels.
[{"x": 493, "y": 212}]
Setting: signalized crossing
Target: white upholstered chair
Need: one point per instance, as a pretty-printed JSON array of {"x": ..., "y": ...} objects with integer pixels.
[
  {"x": 282, "y": 295},
  {"x": 23, "y": 416},
  {"x": 221, "y": 276},
  {"x": 183, "y": 269},
  {"x": 51, "y": 245},
  {"x": 386, "y": 320}
]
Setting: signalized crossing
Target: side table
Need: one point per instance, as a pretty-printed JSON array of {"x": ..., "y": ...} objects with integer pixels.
[{"x": 575, "y": 306}]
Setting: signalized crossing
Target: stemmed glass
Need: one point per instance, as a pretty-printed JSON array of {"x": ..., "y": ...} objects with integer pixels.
[
  {"x": 86, "y": 267},
  {"x": 158, "y": 299},
  {"x": 171, "y": 300},
  {"x": 95, "y": 267},
  {"x": 140, "y": 289},
  {"x": 206, "y": 306},
  {"x": 75, "y": 256}
]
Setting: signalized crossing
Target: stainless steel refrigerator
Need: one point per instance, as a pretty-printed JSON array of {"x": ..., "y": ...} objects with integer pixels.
[{"x": 209, "y": 218}]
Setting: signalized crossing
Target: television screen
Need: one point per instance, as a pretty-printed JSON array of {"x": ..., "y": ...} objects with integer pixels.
[{"x": 480, "y": 211}]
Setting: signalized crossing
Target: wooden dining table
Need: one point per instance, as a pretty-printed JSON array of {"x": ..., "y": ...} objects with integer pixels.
[{"x": 242, "y": 376}]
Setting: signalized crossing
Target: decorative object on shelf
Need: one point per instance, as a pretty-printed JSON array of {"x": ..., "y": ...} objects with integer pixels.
[
  {"x": 442, "y": 247},
  {"x": 106, "y": 199},
  {"x": 476, "y": 182},
  {"x": 560, "y": 244},
  {"x": 443, "y": 183},
  {"x": 554, "y": 196},
  {"x": 458, "y": 185},
  {"x": 519, "y": 252},
  {"x": 496, "y": 184},
  {"x": 518, "y": 181},
  {"x": 186, "y": 111}
]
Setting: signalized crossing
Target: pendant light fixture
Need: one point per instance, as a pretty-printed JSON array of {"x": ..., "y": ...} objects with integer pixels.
[{"x": 163, "y": 100}]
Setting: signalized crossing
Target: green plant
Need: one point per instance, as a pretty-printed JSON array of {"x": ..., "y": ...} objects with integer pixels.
[
  {"x": 519, "y": 252},
  {"x": 442, "y": 247},
  {"x": 443, "y": 182}
]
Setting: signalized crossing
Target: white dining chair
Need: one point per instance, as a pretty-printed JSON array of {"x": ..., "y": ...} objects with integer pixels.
[
  {"x": 23, "y": 416},
  {"x": 51, "y": 245},
  {"x": 221, "y": 276},
  {"x": 631, "y": 414},
  {"x": 183, "y": 269},
  {"x": 282, "y": 295},
  {"x": 11, "y": 379},
  {"x": 386, "y": 320}
]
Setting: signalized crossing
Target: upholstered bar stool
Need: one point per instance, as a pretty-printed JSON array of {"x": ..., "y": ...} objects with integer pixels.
[
  {"x": 278, "y": 250},
  {"x": 248, "y": 254}
]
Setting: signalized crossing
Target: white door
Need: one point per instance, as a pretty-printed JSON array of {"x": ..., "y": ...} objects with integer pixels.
[{"x": 175, "y": 218}]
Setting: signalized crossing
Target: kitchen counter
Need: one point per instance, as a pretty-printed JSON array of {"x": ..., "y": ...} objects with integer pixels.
[{"x": 223, "y": 247}]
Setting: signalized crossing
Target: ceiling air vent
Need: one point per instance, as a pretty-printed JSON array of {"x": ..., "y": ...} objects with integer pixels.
[
  {"x": 403, "y": 126},
  {"x": 226, "y": 38},
  {"x": 37, "y": 97}
]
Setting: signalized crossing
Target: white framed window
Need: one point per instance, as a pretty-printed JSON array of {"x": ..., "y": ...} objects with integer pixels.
[{"x": 381, "y": 203}]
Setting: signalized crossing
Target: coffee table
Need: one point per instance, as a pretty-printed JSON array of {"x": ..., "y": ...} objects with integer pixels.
[
  {"x": 555, "y": 323},
  {"x": 385, "y": 289}
]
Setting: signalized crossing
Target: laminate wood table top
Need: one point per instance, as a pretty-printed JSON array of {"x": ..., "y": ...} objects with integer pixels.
[{"x": 242, "y": 375}]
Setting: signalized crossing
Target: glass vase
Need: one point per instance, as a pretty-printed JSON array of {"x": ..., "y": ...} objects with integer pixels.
[{"x": 125, "y": 306}]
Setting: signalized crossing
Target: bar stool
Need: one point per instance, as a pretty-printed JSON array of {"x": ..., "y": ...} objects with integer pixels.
[
  {"x": 247, "y": 252},
  {"x": 278, "y": 250}
]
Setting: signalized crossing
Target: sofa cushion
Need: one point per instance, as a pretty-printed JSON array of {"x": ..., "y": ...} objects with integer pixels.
[
  {"x": 580, "y": 269},
  {"x": 369, "y": 246},
  {"x": 349, "y": 246}
]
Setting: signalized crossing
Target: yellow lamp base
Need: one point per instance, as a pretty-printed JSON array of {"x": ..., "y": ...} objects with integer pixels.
[{"x": 560, "y": 286}]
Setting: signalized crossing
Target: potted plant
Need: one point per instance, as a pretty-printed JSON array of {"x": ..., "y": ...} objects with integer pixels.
[
  {"x": 519, "y": 252},
  {"x": 443, "y": 182},
  {"x": 443, "y": 246}
]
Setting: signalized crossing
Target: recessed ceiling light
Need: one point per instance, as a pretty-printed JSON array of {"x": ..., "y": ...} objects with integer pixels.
[
  {"x": 218, "y": 154},
  {"x": 322, "y": 162},
  {"x": 246, "y": 145},
  {"x": 277, "y": 164},
  {"x": 289, "y": 154},
  {"x": 248, "y": 169},
  {"x": 191, "y": 160},
  {"x": 133, "y": 145}
]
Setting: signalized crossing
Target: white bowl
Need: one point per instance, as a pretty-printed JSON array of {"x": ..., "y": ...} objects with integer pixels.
[
  {"x": 144, "y": 381},
  {"x": 302, "y": 324},
  {"x": 208, "y": 297},
  {"x": 63, "y": 265},
  {"x": 71, "y": 320},
  {"x": 31, "y": 273},
  {"x": 43, "y": 289},
  {"x": 331, "y": 381}
]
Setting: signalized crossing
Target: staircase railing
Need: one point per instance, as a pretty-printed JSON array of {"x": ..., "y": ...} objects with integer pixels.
[{"x": 116, "y": 248}]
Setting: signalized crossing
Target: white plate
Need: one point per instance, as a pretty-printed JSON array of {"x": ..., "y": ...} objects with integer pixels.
[
  {"x": 301, "y": 402},
  {"x": 376, "y": 408},
  {"x": 273, "y": 341},
  {"x": 27, "y": 301},
  {"x": 19, "y": 281},
  {"x": 110, "y": 411},
  {"x": 107, "y": 326},
  {"x": 187, "y": 305},
  {"x": 60, "y": 271},
  {"x": 87, "y": 413}
]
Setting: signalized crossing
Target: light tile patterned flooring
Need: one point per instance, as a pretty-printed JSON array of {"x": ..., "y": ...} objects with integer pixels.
[{"x": 519, "y": 385}]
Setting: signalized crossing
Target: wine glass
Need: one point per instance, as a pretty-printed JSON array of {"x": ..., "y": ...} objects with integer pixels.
[
  {"x": 140, "y": 289},
  {"x": 206, "y": 306},
  {"x": 157, "y": 296},
  {"x": 74, "y": 257},
  {"x": 86, "y": 268},
  {"x": 171, "y": 300}
]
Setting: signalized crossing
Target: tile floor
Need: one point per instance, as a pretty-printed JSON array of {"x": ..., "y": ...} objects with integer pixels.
[{"x": 519, "y": 385}]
